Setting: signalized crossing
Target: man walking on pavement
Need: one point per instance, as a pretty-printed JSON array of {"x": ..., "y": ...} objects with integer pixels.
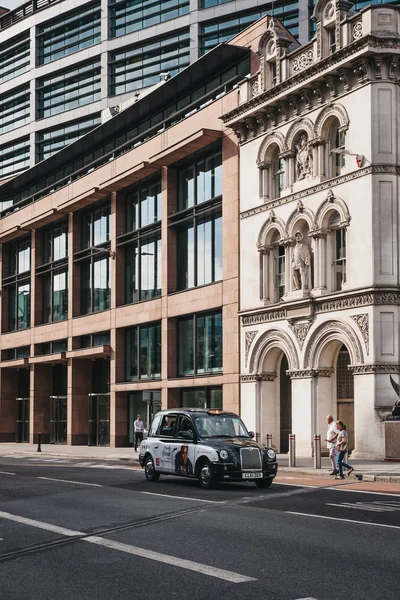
[
  {"x": 331, "y": 436},
  {"x": 139, "y": 430}
]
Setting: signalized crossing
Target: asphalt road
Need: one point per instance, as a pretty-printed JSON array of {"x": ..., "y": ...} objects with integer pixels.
[{"x": 87, "y": 530}]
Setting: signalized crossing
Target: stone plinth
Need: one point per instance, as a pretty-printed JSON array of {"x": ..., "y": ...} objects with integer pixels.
[{"x": 392, "y": 440}]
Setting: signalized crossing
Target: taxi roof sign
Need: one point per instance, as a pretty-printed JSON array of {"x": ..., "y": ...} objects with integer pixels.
[{"x": 215, "y": 411}]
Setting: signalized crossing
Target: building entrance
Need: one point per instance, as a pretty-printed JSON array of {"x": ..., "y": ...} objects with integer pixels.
[
  {"x": 22, "y": 429},
  {"x": 285, "y": 405},
  {"x": 58, "y": 420},
  {"x": 99, "y": 420},
  {"x": 345, "y": 393}
]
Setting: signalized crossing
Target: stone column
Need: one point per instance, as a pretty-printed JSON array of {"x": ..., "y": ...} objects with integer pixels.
[
  {"x": 250, "y": 396},
  {"x": 269, "y": 408},
  {"x": 40, "y": 392},
  {"x": 369, "y": 439},
  {"x": 8, "y": 408},
  {"x": 303, "y": 410},
  {"x": 79, "y": 386},
  {"x": 114, "y": 417}
]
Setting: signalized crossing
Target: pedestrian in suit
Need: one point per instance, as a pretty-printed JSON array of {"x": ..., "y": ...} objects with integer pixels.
[{"x": 138, "y": 427}]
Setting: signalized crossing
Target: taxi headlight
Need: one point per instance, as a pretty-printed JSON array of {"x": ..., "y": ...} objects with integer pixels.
[
  {"x": 271, "y": 453},
  {"x": 223, "y": 454}
]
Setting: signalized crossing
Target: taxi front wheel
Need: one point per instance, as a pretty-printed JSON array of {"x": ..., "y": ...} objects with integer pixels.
[
  {"x": 206, "y": 476},
  {"x": 149, "y": 470},
  {"x": 263, "y": 483}
]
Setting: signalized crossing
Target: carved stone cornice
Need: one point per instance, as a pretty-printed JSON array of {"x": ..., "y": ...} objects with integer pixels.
[
  {"x": 374, "y": 369},
  {"x": 363, "y": 324},
  {"x": 325, "y": 185},
  {"x": 249, "y": 337},
  {"x": 302, "y": 373},
  {"x": 318, "y": 234},
  {"x": 263, "y": 317},
  {"x": 254, "y": 377},
  {"x": 327, "y": 65},
  {"x": 300, "y": 330}
]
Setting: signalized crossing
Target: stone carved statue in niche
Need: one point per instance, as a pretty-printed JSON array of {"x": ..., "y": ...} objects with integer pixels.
[
  {"x": 303, "y": 158},
  {"x": 301, "y": 261}
]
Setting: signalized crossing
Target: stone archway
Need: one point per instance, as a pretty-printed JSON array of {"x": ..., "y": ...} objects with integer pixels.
[{"x": 273, "y": 355}]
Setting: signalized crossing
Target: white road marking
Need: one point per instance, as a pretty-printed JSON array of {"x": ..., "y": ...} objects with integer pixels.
[
  {"x": 289, "y": 512},
  {"x": 360, "y": 507},
  {"x": 355, "y": 491},
  {"x": 171, "y": 560},
  {"x": 184, "y": 498},
  {"x": 182, "y": 563},
  {"x": 6, "y": 473},
  {"x": 67, "y": 481},
  {"x": 379, "y": 506},
  {"x": 40, "y": 525}
]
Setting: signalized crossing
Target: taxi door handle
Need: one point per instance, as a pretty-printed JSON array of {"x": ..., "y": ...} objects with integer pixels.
[{"x": 156, "y": 446}]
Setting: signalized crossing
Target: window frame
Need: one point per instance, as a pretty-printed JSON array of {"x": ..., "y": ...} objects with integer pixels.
[
  {"x": 195, "y": 341},
  {"x": 136, "y": 332}
]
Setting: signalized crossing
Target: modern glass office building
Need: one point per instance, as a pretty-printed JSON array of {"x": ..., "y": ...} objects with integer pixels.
[{"x": 63, "y": 64}]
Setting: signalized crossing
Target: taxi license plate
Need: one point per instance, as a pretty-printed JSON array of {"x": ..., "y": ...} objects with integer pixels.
[{"x": 252, "y": 475}]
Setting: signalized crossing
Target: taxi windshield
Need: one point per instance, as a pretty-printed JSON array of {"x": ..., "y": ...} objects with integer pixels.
[{"x": 210, "y": 426}]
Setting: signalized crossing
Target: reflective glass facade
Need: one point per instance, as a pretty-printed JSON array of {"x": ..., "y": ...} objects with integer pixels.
[
  {"x": 16, "y": 285},
  {"x": 221, "y": 30},
  {"x": 135, "y": 15},
  {"x": 14, "y": 109},
  {"x": 200, "y": 344},
  {"x": 51, "y": 141},
  {"x": 74, "y": 31},
  {"x": 14, "y": 58},
  {"x": 143, "y": 352},
  {"x": 140, "y": 66},
  {"x": 14, "y": 157},
  {"x": 70, "y": 89}
]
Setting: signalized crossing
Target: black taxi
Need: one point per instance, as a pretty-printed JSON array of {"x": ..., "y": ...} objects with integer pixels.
[{"x": 209, "y": 445}]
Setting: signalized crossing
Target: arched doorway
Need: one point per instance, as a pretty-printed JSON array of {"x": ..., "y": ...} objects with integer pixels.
[
  {"x": 285, "y": 396},
  {"x": 345, "y": 392}
]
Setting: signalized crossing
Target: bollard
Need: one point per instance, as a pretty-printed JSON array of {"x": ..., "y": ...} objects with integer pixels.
[
  {"x": 257, "y": 438},
  {"x": 317, "y": 451},
  {"x": 268, "y": 439},
  {"x": 39, "y": 443},
  {"x": 292, "y": 450}
]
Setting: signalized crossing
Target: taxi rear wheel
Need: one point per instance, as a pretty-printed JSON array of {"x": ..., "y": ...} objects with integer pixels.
[
  {"x": 206, "y": 476},
  {"x": 264, "y": 483},
  {"x": 149, "y": 470}
]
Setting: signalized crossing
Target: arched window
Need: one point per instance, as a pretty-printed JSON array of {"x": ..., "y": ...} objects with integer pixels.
[
  {"x": 336, "y": 147},
  {"x": 279, "y": 269},
  {"x": 338, "y": 238}
]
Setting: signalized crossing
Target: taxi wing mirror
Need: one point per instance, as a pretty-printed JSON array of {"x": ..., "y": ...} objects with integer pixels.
[
  {"x": 251, "y": 434},
  {"x": 187, "y": 435}
]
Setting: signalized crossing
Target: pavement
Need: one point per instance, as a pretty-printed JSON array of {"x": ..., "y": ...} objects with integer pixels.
[{"x": 373, "y": 470}]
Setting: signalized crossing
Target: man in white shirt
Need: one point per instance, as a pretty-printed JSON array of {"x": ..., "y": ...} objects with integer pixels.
[
  {"x": 331, "y": 436},
  {"x": 138, "y": 427}
]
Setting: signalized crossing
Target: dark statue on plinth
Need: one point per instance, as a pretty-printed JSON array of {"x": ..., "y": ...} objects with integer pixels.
[{"x": 396, "y": 407}]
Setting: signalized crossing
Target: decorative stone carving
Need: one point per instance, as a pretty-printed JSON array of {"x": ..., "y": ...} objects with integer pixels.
[
  {"x": 273, "y": 339},
  {"x": 386, "y": 169},
  {"x": 376, "y": 369},
  {"x": 300, "y": 331},
  {"x": 302, "y": 373},
  {"x": 327, "y": 330},
  {"x": 357, "y": 30},
  {"x": 253, "y": 377},
  {"x": 301, "y": 261},
  {"x": 302, "y": 61},
  {"x": 363, "y": 323},
  {"x": 303, "y": 158},
  {"x": 249, "y": 337},
  {"x": 254, "y": 88},
  {"x": 248, "y": 378},
  {"x": 264, "y": 317}
]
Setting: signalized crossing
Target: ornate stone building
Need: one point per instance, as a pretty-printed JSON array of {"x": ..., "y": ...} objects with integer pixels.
[{"x": 318, "y": 130}]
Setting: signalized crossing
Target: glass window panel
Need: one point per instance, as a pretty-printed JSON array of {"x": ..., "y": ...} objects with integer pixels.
[
  {"x": 12, "y": 320},
  {"x": 60, "y": 297},
  {"x": 132, "y": 274},
  {"x": 47, "y": 299},
  {"x": 24, "y": 306},
  {"x": 86, "y": 288},
  {"x": 131, "y": 354},
  {"x": 101, "y": 285},
  {"x": 185, "y": 347}
]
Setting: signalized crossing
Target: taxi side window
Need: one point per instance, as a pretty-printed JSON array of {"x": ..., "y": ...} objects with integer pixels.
[
  {"x": 154, "y": 425},
  {"x": 168, "y": 426},
  {"x": 185, "y": 426}
]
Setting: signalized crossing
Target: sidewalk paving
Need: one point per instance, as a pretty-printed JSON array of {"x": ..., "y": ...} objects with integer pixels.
[{"x": 373, "y": 470}]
